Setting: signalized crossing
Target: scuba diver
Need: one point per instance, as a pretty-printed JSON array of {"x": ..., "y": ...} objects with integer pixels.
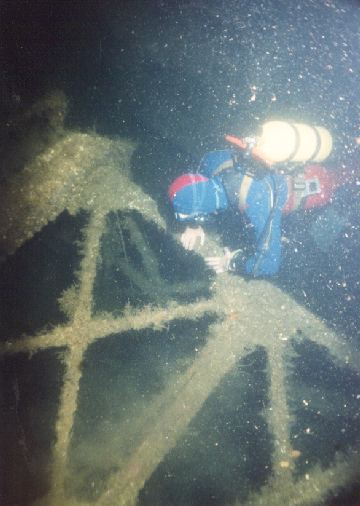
[{"x": 260, "y": 177}]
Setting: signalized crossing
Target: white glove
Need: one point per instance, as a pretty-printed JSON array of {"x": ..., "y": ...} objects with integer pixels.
[
  {"x": 221, "y": 264},
  {"x": 191, "y": 236}
]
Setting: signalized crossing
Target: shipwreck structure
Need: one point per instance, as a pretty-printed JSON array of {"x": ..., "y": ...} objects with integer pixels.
[{"x": 126, "y": 383}]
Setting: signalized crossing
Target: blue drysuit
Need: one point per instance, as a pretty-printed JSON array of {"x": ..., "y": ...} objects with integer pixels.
[{"x": 263, "y": 203}]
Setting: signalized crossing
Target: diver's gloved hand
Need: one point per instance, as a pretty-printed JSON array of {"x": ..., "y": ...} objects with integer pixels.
[
  {"x": 191, "y": 236},
  {"x": 221, "y": 264}
]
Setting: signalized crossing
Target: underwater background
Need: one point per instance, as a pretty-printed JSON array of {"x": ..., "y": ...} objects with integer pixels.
[{"x": 174, "y": 77}]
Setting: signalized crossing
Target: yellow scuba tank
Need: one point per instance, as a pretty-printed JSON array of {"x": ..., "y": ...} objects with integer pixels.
[{"x": 283, "y": 141}]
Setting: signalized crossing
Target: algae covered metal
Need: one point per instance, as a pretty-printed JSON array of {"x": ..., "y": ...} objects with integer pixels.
[{"x": 139, "y": 363}]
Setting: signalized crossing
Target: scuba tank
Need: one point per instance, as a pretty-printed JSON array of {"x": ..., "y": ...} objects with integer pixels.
[{"x": 284, "y": 142}]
